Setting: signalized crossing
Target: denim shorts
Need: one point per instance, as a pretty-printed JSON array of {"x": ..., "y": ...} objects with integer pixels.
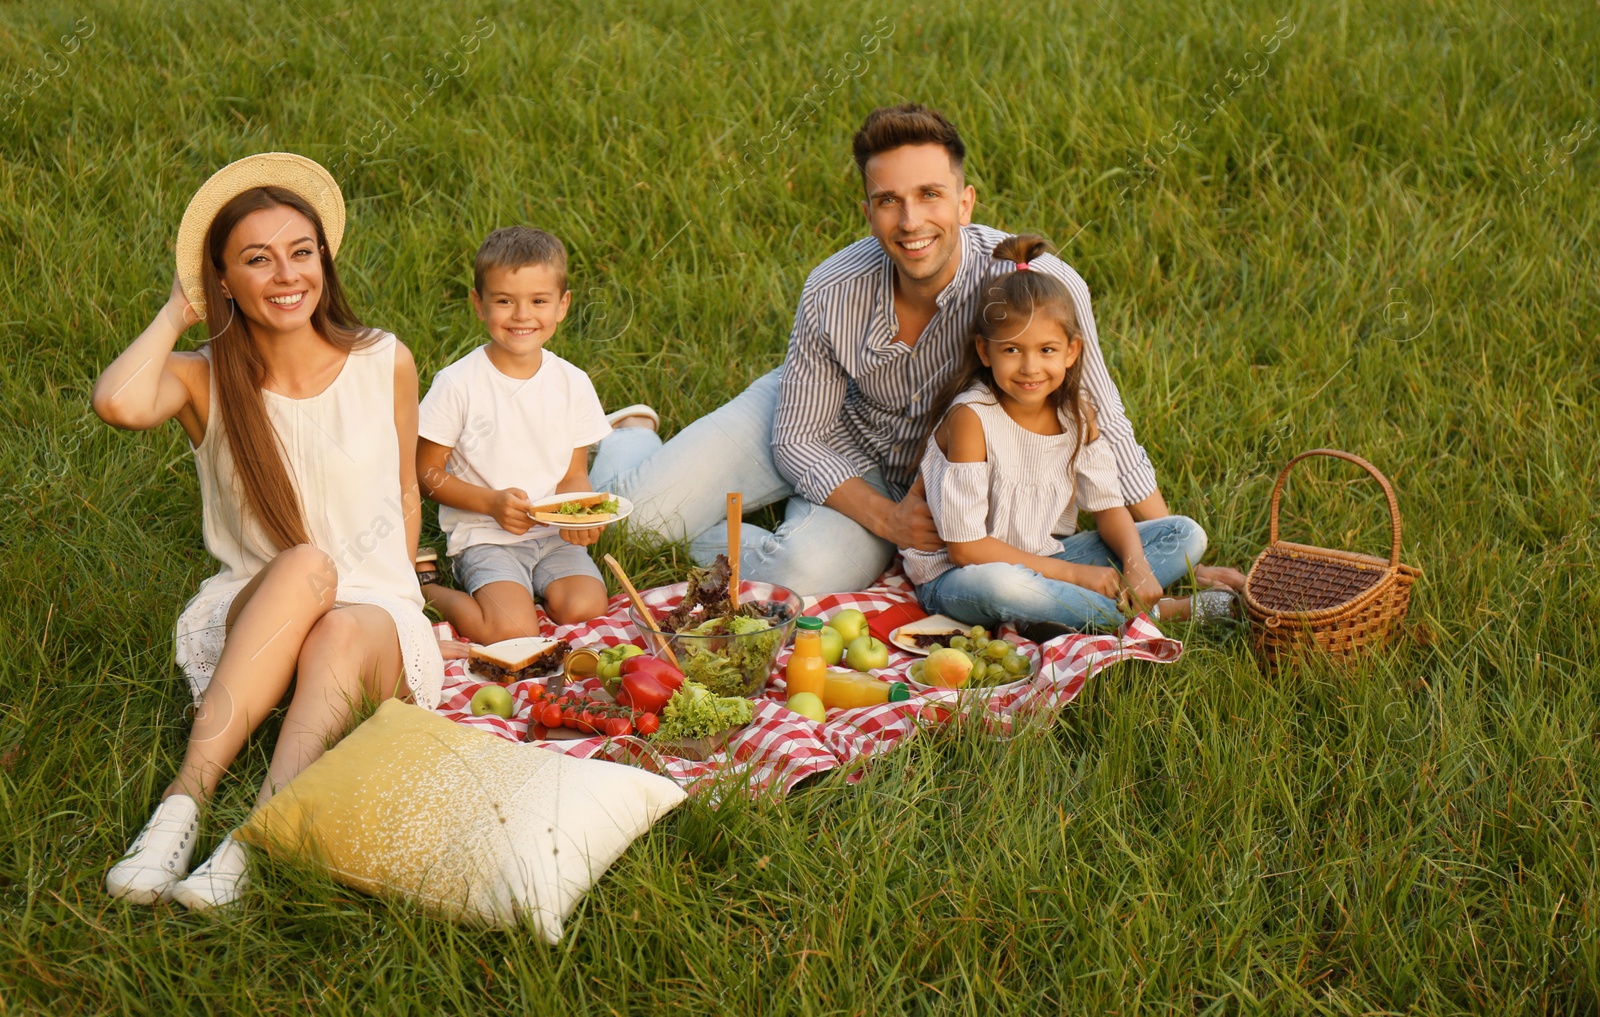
[{"x": 533, "y": 563}]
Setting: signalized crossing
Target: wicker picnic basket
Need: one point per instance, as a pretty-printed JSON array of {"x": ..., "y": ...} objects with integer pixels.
[{"x": 1303, "y": 598}]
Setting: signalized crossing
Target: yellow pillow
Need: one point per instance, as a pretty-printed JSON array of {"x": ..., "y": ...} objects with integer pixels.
[{"x": 465, "y": 823}]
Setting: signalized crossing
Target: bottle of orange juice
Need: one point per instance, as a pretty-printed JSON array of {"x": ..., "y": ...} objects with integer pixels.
[
  {"x": 807, "y": 671},
  {"x": 847, "y": 690}
]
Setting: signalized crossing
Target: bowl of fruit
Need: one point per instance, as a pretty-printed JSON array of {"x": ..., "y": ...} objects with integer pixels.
[{"x": 969, "y": 659}]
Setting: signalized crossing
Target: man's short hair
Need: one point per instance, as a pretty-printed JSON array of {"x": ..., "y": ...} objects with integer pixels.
[
  {"x": 891, "y": 127},
  {"x": 514, "y": 247}
]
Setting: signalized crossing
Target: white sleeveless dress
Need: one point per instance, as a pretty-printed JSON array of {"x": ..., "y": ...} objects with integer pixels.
[
  {"x": 343, "y": 458},
  {"x": 1021, "y": 493}
]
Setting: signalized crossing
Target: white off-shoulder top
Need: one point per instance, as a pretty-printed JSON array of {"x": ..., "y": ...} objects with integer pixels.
[{"x": 1021, "y": 493}]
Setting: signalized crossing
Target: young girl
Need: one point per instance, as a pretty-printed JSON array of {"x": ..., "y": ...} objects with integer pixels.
[
  {"x": 311, "y": 510},
  {"x": 1014, "y": 458}
]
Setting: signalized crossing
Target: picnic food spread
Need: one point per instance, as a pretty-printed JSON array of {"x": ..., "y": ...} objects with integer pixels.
[{"x": 513, "y": 660}]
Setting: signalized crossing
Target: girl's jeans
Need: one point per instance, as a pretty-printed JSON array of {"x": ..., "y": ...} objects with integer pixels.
[{"x": 997, "y": 592}]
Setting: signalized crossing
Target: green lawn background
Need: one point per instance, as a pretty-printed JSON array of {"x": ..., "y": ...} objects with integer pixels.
[{"x": 1361, "y": 225}]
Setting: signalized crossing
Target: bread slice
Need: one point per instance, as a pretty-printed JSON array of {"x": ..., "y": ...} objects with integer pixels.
[
  {"x": 512, "y": 660},
  {"x": 546, "y": 511}
]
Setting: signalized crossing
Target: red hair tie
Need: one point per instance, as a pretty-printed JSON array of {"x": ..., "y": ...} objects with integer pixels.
[{"x": 1022, "y": 266}]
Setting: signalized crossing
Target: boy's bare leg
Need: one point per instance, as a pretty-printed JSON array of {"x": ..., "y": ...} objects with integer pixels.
[
  {"x": 502, "y": 610},
  {"x": 575, "y": 599}
]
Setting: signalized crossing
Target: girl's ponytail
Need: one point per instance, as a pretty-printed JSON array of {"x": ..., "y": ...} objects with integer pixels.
[{"x": 1022, "y": 248}]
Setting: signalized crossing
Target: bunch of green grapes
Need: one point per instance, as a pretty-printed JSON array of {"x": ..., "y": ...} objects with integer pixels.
[{"x": 994, "y": 661}]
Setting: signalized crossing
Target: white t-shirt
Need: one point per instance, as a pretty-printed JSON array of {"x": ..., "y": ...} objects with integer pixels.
[{"x": 507, "y": 432}]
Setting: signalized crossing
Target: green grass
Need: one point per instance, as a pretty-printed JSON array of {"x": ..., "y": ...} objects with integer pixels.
[{"x": 1383, "y": 244}]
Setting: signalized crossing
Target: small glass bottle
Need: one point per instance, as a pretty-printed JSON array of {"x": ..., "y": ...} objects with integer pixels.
[{"x": 807, "y": 671}]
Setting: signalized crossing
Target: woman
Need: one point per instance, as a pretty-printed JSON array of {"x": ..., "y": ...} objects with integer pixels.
[{"x": 304, "y": 429}]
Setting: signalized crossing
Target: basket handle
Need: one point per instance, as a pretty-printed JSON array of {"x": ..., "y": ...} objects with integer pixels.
[{"x": 1383, "y": 482}]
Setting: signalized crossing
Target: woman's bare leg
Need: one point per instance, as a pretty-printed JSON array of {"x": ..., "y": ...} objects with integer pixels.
[
  {"x": 267, "y": 624},
  {"x": 352, "y": 652}
]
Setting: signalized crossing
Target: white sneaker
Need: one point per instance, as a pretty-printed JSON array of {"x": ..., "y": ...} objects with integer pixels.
[
  {"x": 636, "y": 410},
  {"x": 159, "y": 856},
  {"x": 218, "y": 881}
]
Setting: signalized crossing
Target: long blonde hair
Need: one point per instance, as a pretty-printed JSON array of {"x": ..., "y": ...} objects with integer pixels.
[{"x": 258, "y": 458}]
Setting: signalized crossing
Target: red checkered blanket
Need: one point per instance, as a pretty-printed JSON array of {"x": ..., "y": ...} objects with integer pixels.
[{"x": 780, "y": 748}]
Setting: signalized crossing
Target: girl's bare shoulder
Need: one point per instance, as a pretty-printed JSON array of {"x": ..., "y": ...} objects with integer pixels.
[{"x": 960, "y": 436}]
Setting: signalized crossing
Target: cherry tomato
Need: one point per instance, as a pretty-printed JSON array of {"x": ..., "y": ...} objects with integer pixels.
[
  {"x": 647, "y": 723},
  {"x": 616, "y": 727},
  {"x": 550, "y": 715}
]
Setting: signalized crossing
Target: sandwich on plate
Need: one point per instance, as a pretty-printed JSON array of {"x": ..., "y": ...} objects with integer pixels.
[
  {"x": 512, "y": 660},
  {"x": 594, "y": 508}
]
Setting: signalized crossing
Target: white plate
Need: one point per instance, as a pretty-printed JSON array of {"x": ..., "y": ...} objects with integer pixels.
[
  {"x": 934, "y": 623},
  {"x": 624, "y": 509}
]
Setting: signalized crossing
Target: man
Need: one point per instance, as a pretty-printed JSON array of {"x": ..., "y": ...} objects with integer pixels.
[{"x": 838, "y": 430}]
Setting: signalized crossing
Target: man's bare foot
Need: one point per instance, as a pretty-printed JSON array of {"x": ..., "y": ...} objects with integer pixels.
[{"x": 1213, "y": 577}]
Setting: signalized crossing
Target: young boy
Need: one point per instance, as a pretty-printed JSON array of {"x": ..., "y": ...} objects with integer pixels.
[{"x": 506, "y": 425}]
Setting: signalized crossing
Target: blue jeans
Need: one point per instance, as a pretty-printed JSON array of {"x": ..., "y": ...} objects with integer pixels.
[
  {"x": 679, "y": 492},
  {"x": 998, "y": 592}
]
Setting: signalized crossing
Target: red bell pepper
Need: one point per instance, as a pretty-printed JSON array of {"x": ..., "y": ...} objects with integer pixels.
[
  {"x": 670, "y": 677},
  {"x": 643, "y": 692}
]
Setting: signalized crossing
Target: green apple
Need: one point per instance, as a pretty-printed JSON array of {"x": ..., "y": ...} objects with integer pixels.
[
  {"x": 493, "y": 699},
  {"x": 808, "y": 705},
  {"x": 849, "y": 623},
  {"x": 832, "y": 645},
  {"x": 867, "y": 653}
]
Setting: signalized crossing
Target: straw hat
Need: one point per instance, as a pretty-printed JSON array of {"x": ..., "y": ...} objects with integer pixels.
[{"x": 268, "y": 169}]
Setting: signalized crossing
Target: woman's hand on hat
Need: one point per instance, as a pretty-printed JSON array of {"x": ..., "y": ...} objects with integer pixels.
[{"x": 182, "y": 313}]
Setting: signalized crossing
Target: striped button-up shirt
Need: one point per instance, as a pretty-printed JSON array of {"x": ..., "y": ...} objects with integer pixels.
[{"x": 852, "y": 398}]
